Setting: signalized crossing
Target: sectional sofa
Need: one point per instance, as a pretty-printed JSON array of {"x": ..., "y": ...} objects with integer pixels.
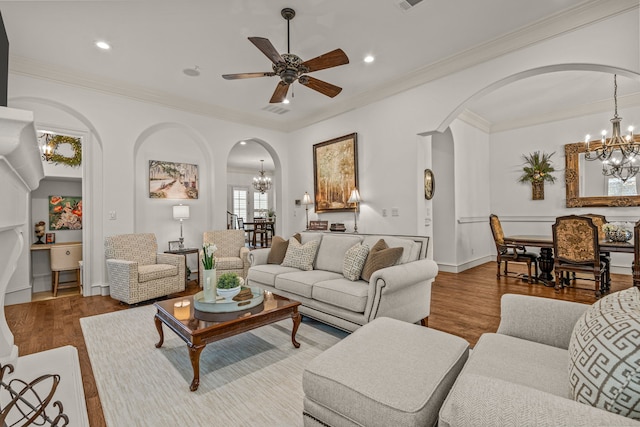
[{"x": 401, "y": 291}]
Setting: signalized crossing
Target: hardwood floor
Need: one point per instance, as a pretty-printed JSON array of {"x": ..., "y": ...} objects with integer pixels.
[{"x": 466, "y": 304}]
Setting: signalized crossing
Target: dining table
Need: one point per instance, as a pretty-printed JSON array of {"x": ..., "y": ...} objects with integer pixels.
[
  {"x": 268, "y": 226},
  {"x": 545, "y": 243}
]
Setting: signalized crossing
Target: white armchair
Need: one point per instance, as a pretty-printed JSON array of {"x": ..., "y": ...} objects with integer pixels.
[{"x": 137, "y": 272}]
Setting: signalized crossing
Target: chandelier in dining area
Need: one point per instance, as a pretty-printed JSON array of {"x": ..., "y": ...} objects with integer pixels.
[
  {"x": 261, "y": 183},
  {"x": 619, "y": 153}
]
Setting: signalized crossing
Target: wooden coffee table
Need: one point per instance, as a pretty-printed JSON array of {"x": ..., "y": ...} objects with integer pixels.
[{"x": 197, "y": 333}]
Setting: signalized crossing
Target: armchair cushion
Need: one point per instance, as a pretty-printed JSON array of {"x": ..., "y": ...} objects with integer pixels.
[
  {"x": 229, "y": 263},
  {"x": 604, "y": 353},
  {"x": 155, "y": 271}
]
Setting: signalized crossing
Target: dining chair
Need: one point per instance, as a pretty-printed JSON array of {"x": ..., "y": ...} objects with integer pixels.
[
  {"x": 599, "y": 221},
  {"x": 636, "y": 254},
  {"x": 511, "y": 253},
  {"x": 260, "y": 229},
  {"x": 576, "y": 245},
  {"x": 65, "y": 258}
]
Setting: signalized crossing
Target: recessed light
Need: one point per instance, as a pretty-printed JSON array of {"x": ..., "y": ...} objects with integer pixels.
[
  {"x": 286, "y": 101},
  {"x": 368, "y": 59},
  {"x": 103, "y": 45},
  {"x": 243, "y": 142},
  {"x": 192, "y": 72}
]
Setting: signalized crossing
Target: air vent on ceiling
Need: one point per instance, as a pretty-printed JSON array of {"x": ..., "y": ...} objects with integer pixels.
[
  {"x": 408, "y": 4},
  {"x": 275, "y": 109}
]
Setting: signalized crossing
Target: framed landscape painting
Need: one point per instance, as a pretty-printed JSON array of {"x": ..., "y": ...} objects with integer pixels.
[
  {"x": 335, "y": 173},
  {"x": 168, "y": 180}
]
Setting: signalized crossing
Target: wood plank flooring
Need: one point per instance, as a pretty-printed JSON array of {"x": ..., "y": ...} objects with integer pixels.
[{"x": 466, "y": 304}]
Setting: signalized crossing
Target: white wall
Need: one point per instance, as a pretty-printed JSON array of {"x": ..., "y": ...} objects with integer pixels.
[{"x": 124, "y": 132}]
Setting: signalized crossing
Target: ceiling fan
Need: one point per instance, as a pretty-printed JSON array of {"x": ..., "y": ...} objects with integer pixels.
[{"x": 290, "y": 67}]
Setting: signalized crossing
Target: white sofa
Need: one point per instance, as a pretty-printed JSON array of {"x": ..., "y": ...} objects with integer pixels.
[{"x": 402, "y": 291}]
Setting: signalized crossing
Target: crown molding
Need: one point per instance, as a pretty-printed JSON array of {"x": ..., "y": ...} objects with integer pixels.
[
  {"x": 586, "y": 13},
  {"x": 632, "y": 100}
]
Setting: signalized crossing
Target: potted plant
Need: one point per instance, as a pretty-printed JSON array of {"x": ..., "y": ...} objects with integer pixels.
[
  {"x": 229, "y": 285},
  {"x": 537, "y": 169}
]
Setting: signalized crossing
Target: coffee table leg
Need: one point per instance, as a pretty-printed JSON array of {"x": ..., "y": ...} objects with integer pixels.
[
  {"x": 295, "y": 315},
  {"x": 159, "y": 328},
  {"x": 194, "y": 355}
]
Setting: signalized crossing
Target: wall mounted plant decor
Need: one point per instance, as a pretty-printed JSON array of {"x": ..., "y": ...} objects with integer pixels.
[{"x": 537, "y": 169}]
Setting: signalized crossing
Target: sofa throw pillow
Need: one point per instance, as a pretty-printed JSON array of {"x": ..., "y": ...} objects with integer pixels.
[
  {"x": 354, "y": 260},
  {"x": 604, "y": 355},
  {"x": 300, "y": 256},
  {"x": 279, "y": 249},
  {"x": 380, "y": 256}
]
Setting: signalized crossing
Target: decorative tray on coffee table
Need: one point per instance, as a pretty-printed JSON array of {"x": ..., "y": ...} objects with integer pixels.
[{"x": 223, "y": 306}]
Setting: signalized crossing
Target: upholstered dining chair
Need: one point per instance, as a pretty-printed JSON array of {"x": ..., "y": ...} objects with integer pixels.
[
  {"x": 576, "y": 246},
  {"x": 65, "y": 258},
  {"x": 137, "y": 272},
  {"x": 599, "y": 221},
  {"x": 636, "y": 254},
  {"x": 511, "y": 253},
  {"x": 232, "y": 255}
]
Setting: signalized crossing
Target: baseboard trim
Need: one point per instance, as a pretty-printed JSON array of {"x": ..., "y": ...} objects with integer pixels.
[{"x": 451, "y": 268}]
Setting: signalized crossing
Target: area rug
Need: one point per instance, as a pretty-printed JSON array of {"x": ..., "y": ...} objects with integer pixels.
[{"x": 252, "y": 379}]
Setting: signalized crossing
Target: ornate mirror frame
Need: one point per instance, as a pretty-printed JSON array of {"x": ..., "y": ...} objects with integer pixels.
[{"x": 572, "y": 175}]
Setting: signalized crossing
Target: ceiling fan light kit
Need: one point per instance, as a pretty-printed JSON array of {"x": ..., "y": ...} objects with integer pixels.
[{"x": 290, "y": 67}]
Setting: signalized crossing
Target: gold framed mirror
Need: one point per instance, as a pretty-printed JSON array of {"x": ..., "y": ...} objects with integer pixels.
[{"x": 574, "y": 157}]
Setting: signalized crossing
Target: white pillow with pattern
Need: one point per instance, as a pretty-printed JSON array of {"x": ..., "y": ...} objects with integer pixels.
[
  {"x": 354, "y": 260},
  {"x": 299, "y": 255}
]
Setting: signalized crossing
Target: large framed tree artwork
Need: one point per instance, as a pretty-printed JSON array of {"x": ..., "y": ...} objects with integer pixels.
[{"x": 335, "y": 173}]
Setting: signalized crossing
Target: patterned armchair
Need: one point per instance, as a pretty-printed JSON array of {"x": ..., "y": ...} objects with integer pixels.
[
  {"x": 576, "y": 245},
  {"x": 513, "y": 253},
  {"x": 137, "y": 272},
  {"x": 232, "y": 255}
]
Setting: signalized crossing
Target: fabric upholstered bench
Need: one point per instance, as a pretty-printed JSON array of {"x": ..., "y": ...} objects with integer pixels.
[{"x": 387, "y": 373}]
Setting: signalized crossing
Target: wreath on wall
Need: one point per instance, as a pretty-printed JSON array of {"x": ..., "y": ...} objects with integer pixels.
[{"x": 56, "y": 158}]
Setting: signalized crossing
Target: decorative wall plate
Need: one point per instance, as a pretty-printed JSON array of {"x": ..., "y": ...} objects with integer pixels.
[{"x": 429, "y": 184}]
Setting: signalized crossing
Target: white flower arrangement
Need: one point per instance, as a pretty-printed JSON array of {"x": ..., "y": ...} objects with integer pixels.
[
  {"x": 618, "y": 231},
  {"x": 208, "y": 260}
]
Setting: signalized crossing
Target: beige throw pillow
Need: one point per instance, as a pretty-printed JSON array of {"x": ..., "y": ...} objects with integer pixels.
[
  {"x": 279, "y": 249},
  {"x": 381, "y": 256},
  {"x": 354, "y": 260},
  {"x": 301, "y": 256}
]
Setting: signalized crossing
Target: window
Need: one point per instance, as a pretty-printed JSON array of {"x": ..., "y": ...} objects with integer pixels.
[
  {"x": 618, "y": 188},
  {"x": 240, "y": 203},
  {"x": 260, "y": 204}
]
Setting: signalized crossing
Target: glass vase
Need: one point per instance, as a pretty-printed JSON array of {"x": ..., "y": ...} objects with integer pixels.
[{"x": 209, "y": 285}]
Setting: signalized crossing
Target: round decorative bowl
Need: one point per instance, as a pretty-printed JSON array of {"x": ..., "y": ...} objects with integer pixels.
[
  {"x": 228, "y": 294},
  {"x": 618, "y": 235}
]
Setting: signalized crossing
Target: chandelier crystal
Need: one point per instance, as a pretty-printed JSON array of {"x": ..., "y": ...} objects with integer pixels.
[
  {"x": 618, "y": 154},
  {"x": 261, "y": 183}
]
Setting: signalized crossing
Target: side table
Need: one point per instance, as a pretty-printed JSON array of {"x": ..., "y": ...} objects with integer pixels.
[{"x": 185, "y": 252}]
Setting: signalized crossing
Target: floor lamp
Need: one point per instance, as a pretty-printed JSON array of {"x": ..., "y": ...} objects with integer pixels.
[
  {"x": 306, "y": 201},
  {"x": 181, "y": 212},
  {"x": 355, "y": 198}
]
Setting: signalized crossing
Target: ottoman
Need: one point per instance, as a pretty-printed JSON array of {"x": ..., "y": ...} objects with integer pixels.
[{"x": 387, "y": 373}]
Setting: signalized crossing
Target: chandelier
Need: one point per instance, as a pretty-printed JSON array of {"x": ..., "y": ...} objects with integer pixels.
[
  {"x": 618, "y": 153},
  {"x": 261, "y": 183}
]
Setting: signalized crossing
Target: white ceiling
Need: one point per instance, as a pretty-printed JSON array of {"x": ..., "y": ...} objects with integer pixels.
[{"x": 154, "y": 41}]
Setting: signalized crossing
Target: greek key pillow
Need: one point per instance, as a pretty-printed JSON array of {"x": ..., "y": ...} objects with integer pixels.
[
  {"x": 604, "y": 355},
  {"x": 354, "y": 260},
  {"x": 299, "y": 255}
]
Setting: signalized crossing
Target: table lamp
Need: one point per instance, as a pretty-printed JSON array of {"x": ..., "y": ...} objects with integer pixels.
[
  {"x": 306, "y": 201},
  {"x": 355, "y": 198},
  {"x": 181, "y": 212}
]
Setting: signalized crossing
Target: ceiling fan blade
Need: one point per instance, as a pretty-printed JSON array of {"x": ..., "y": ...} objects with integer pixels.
[
  {"x": 280, "y": 93},
  {"x": 320, "y": 86},
  {"x": 247, "y": 75},
  {"x": 327, "y": 60},
  {"x": 267, "y": 48}
]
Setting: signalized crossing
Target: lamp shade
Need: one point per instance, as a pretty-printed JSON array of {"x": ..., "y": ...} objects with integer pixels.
[
  {"x": 181, "y": 212},
  {"x": 306, "y": 199},
  {"x": 354, "y": 197}
]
